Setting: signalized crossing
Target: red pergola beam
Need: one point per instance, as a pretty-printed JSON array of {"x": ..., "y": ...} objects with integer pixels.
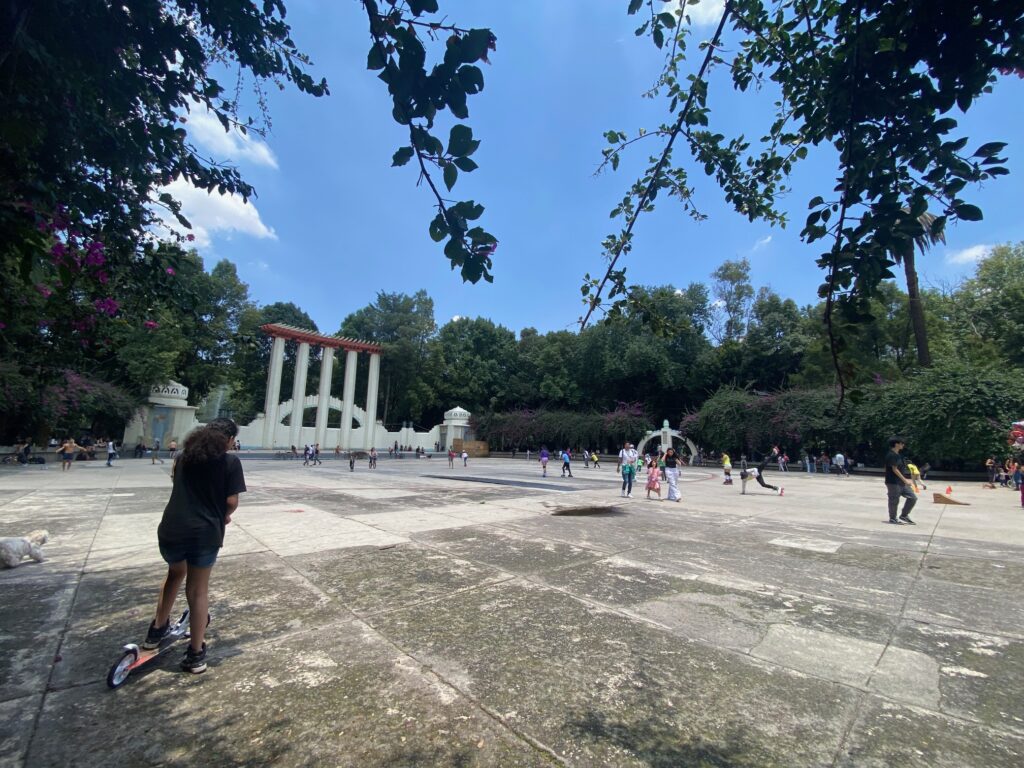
[{"x": 277, "y": 330}]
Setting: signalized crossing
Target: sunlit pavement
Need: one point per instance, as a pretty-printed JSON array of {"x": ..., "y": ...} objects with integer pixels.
[{"x": 485, "y": 615}]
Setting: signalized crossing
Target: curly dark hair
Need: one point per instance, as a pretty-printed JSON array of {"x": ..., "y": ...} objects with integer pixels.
[{"x": 207, "y": 443}]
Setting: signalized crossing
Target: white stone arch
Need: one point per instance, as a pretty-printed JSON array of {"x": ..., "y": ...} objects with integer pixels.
[
  {"x": 313, "y": 401},
  {"x": 665, "y": 437}
]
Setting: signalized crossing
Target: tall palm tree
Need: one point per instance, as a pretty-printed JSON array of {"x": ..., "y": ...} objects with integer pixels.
[{"x": 924, "y": 241}]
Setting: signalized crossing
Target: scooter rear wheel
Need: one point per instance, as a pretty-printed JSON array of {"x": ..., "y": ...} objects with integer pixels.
[{"x": 118, "y": 673}]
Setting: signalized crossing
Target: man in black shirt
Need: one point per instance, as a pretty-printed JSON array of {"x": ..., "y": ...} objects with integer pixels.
[{"x": 897, "y": 483}]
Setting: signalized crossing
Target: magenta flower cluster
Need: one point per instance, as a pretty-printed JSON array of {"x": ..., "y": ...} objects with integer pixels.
[{"x": 107, "y": 306}]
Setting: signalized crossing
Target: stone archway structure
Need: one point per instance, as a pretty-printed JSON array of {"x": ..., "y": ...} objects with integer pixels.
[
  {"x": 665, "y": 436},
  {"x": 275, "y": 411}
]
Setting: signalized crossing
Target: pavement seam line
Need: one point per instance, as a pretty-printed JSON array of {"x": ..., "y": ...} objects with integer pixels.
[
  {"x": 63, "y": 633},
  {"x": 858, "y": 705},
  {"x": 538, "y": 745}
]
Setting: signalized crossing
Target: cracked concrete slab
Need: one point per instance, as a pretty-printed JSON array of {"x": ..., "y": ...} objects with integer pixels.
[{"x": 390, "y": 618}]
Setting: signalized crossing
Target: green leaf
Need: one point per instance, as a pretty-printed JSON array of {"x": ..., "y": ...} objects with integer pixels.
[
  {"x": 658, "y": 36},
  {"x": 968, "y": 212},
  {"x": 667, "y": 19},
  {"x": 471, "y": 78},
  {"x": 459, "y": 140},
  {"x": 375, "y": 58},
  {"x": 992, "y": 148},
  {"x": 465, "y": 164},
  {"x": 402, "y": 156},
  {"x": 886, "y": 44},
  {"x": 634, "y": 6},
  {"x": 451, "y": 174},
  {"x": 438, "y": 229},
  {"x": 419, "y": 7},
  {"x": 474, "y": 45}
]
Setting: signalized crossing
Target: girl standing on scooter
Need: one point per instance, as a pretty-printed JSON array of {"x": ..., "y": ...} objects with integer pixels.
[{"x": 207, "y": 480}]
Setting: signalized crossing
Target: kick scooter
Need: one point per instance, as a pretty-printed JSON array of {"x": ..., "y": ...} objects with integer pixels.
[{"x": 133, "y": 657}]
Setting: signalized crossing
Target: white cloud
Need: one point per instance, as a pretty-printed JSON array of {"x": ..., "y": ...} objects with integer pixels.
[
  {"x": 703, "y": 14},
  {"x": 762, "y": 243},
  {"x": 212, "y": 213},
  {"x": 456, "y": 318},
  {"x": 971, "y": 255},
  {"x": 206, "y": 130}
]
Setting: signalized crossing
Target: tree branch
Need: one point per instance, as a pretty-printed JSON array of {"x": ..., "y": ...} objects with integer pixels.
[{"x": 645, "y": 197}]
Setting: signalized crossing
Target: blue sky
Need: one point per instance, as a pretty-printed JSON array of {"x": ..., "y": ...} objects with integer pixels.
[{"x": 333, "y": 223}]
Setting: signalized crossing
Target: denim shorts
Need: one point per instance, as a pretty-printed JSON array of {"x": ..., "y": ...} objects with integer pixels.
[{"x": 198, "y": 557}]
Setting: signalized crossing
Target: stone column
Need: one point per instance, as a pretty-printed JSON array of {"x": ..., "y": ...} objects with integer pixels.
[
  {"x": 348, "y": 396},
  {"x": 299, "y": 393},
  {"x": 273, "y": 399},
  {"x": 372, "y": 387},
  {"x": 323, "y": 405}
]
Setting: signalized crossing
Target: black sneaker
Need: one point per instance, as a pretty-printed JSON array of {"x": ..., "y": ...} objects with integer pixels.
[
  {"x": 907, "y": 520},
  {"x": 194, "y": 662},
  {"x": 155, "y": 635},
  {"x": 894, "y": 521}
]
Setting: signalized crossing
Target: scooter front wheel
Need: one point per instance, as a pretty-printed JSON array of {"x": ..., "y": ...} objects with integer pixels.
[{"x": 118, "y": 673}]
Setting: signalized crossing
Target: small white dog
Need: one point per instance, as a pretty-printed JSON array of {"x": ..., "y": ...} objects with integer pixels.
[{"x": 14, "y": 549}]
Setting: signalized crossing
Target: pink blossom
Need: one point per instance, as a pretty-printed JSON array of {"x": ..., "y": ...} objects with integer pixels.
[
  {"x": 103, "y": 277},
  {"x": 59, "y": 250},
  {"x": 94, "y": 254},
  {"x": 2, "y": 326},
  {"x": 107, "y": 306},
  {"x": 151, "y": 324},
  {"x": 44, "y": 290},
  {"x": 170, "y": 270},
  {"x": 190, "y": 237}
]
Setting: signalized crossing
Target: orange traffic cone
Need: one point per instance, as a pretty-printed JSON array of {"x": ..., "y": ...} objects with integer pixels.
[{"x": 949, "y": 489}]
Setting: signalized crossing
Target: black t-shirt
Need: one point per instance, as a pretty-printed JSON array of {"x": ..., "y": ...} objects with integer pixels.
[
  {"x": 894, "y": 460},
  {"x": 671, "y": 461},
  {"x": 194, "y": 515}
]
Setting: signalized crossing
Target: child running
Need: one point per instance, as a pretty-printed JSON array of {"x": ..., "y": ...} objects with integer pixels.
[
  {"x": 915, "y": 476},
  {"x": 207, "y": 480},
  {"x": 653, "y": 480}
]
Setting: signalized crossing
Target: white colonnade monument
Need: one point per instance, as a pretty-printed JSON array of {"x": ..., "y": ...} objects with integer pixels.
[{"x": 275, "y": 411}]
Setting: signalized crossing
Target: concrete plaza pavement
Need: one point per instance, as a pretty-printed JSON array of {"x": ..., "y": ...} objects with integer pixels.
[{"x": 419, "y": 615}]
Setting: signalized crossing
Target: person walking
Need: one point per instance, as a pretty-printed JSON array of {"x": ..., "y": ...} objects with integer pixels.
[
  {"x": 897, "y": 483},
  {"x": 373, "y": 458},
  {"x": 726, "y": 469},
  {"x": 172, "y": 449},
  {"x": 465, "y": 458},
  {"x": 207, "y": 480},
  {"x": 653, "y": 480},
  {"x": 305, "y": 456},
  {"x": 156, "y": 452},
  {"x": 566, "y": 458},
  {"x": 596, "y": 459},
  {"x": 67, "y": 452},
  {"x": 627, "y": 465},
  {"x": 544, "y": 457},
  {"x": 111, "y": 452},
  {"x": 672, "y": 474},
  {"x": 839, "y": 460},
  {"x": 316, "y": 454}
]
